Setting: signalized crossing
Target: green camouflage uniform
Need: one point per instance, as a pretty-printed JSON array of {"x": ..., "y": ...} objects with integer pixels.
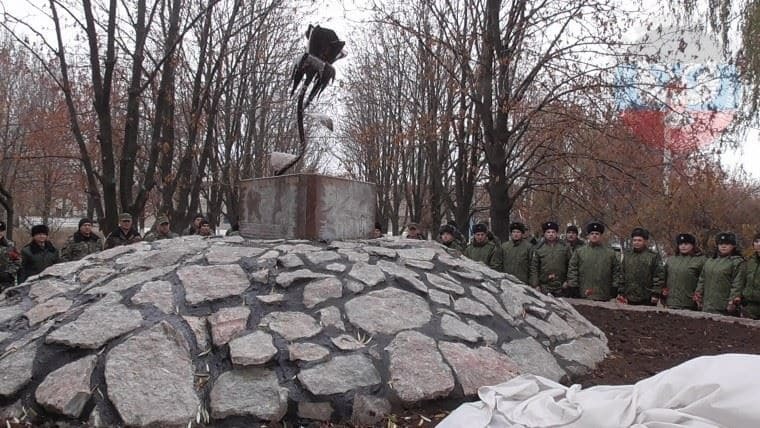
[
  {"x": 35, "y": 259},
  {"x": 516, "y": 259},
  {"x": 78, "y": 246},
  {"x": 548, "y": 267},
  {"x": 643, "y": 276},
  {"x": 154, "y": 235},
  {"x": 118, "y": 237},
  {"x": 751, "y": 292},
  {"x": 453, "y": 245},
  {"x": 681, "y": 277},
  {"x": 10, "y": 261},
  {"x": 722, "y": 280},
  {"x": 595, "y": 268},
  {"x": 488, "y": 254}
]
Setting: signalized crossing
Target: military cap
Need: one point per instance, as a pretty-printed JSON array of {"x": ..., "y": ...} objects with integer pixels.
[
  {"x": 594, "y": 226},
  {"x": 125, "y": 216},
  {"x": 161, "y": 219},
  {"x": 85, "y": 221},
  {"x": 640, "y": 232},
  {"x": 447, "y": 228},
  {"x": 517, "y": 226},
  {"x": 686, "y": 238},
  {"x": 725, "y": 238},
  {"x": 550, "y": 225},
  {"x": 572, "y": 228},
  {"x": 480, "y": 228},
  {"x": 40, "y": 229}
]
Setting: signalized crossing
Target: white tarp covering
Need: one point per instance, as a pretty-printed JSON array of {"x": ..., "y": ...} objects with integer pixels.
[{"x": 714, "y": 391}]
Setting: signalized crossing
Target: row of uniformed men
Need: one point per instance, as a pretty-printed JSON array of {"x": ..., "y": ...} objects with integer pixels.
[
  {"x": 725, "y": 283},
  {"x": 40, "y": 253}
]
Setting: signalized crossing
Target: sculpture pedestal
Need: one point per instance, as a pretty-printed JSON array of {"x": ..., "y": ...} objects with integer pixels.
[{"x": 306, "y": 206}]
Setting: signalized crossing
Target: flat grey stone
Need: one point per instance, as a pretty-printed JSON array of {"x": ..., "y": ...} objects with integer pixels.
[
  {"x": 271, "y": 254},
  {"x": 199, "y": 327},
  {"x": 478, "y": 267},
  {"x": 315, "y": 411},
  {"x": 249, "y": 392},
  {"x": 402, "y": 275},
  {"x": 32, "y": 335},
  {"x": 291, "y": 325},
  {"x": 468, "y": 274},
  {"x": 355, "y": 286},
  {"x": 554, "y": 327},
  {"x": 388, "y": 311},
  {"x": 16, "y": 370},
  {"x": 366, "y": 273},
  {"x": 234, "y": 239},
  {"x": 477, "y": 367},
  {"x": 417, "y": 370},
  {"x": 124, "y": 282},
  {"x": 295, "y": 246},
  {"x": 228, "y": 323},
  {"x": 90, "y": 275},
  {"x": 425, "y": 254},
  {"x": 489, "y": 336},
  {"x": 514, "y": 298},
  {"x": 354, "y": 256},
  {"x": 47, "y": 309},
  {"x": 444, "y": 284},
  {"x": 470, "y": 307},
  {"x": 489, "y": 286},
  {"x": 322, "y": 257},
  {"x": 369, "y": 410},
  {"x": 490, "y": 301},
  {"x": 532, "y": 358},
  {"x": 65, "y": 269},
  {"x": 158, "y": 294},
  {"x": 67, "y": 390},
  {"x": 4, "y": 335},
  {"x": 154, "y": 258},
  {"x": 8, "y": 313},
  {"x": 252, "y": 349},
  {"x": 455, "y": 328},
  {"x": 335, "y": 267},
  {"x": 316, "y": 292},
  {"x": 419, "y": 264},
  {"x": 586, "y": 352},
  {"x": 290, "y": 261},
  {"x": 331, "y": 317},
  {"x": 261, "y": 276},
  {"x": 307, "y": 352},
  {"x": 114, "y": 252},
  {"x": 286, "y": 279},
  {"x": 150, "y": 378},
  {"x": 205, "y": 283},
  {"x": 271, "y": 298},
  {"x": 46, "y": 289},
  {"x": 380, "y": 251},
  {"x": 344, "y": 244},
  {"x": 340, "y": 374},
  {"x": 439, "y": 297},
  {"x": 98, "y": 324},
  {"x": 231, "y": 254},
  {"x": 345, "y": 342}
]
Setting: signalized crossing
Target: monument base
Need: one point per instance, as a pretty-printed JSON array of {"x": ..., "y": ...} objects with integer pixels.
[{"x": 306, "y": 206}]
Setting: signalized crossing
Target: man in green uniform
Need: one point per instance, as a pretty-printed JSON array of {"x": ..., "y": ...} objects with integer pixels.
[
  {"x": 751, "y": 292},
  {"x": 516, "y": 253},
  {"x": 83, "y": 242},
  {"x": 721, "y": 282},
  {"x": 571, "y": 238},
  {"x": 643, "y": 273},
  {"x": 682, "y": 273},
  {"x": 548, "y": 267},
  {"x": 10, "y": 260},
  {"x": 125, "y": 234},
  {"x": 161, "y": 230},
  {"x": 594, "y": 268},
  {"x": 37, "y": 255},
  {"x": 447, "y": 237},
  {"x": 483, "y": 250}
]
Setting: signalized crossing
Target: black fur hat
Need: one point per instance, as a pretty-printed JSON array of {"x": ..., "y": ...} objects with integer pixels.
[{"x": 40, "y": 229}]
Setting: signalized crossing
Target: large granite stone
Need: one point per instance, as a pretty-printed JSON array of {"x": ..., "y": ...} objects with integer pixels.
[
  {"x": 331, "y": 317},
  {"x": 366, "y": 273},
  {"x": 124, "y": 282},
  {"x": 477, "y": 367},
  {"x": 220, "y": 255},
  {"x": 46, "y": 289},
  {"x": 16, "y": 370},
  {"x": 417, "y": 370},
  {"x": 444, "y": 284},
  {"x": 585, "y": 352},
  {"x": 253, "y": 391},
  {"x": 291, "y": 325},
  {"x": 425, "y": 254},
  {"x": 290, "y": 261},
  {"x": 199, "y": 327},
  {"x": 315, "y": 411},
  {"x": 228, "y": 323},
  {"x": 532, "y": 358},
  {"x": 90, "y": 275},
  {"x": 150, "y": 378},
  {"x": 47, "y": 309},
  {"x": 158, "y": 294},
  {"x": 319, "y": 291},
  {"x": 286, "y": 279},
  {"x": 402, "y": 275},
  {"x": 490, "y": 301},
  {"x": 67, "y": 390},
  {"x": 252, "y": 349},
  {"x": 154, "y": 258},
  {"x": 369, "y": 410},
  {"x": 98, "y": 324},
  {"x": 307, "y": 352},
  {"x": 8, "y": 313},
  {"x": 514, "y": 298},
  {"x": 339, "y": 375},
  {"x": 489, "y": 336},
  {"x": 439, "y": 297},
  {"x": 554, "y": 327},
  {"x": 453, "y": 327},
  {"x": 322, "y": 257},
  {"x": 470, "y": 307},
  {"x": 388, "y": 311},
  {"x": 205, "y": 283}
]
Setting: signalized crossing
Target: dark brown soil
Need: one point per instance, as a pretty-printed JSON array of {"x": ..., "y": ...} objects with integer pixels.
[{"x": 645, "y": 343}]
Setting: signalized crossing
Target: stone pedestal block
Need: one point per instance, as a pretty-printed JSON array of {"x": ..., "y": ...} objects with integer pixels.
[{"x": 306, "y": 206}]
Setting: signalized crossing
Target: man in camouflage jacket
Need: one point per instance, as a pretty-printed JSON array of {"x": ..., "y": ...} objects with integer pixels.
[
  {"x": 10, "y": 260},
  {"x": 83, "y": 242},
  {"x": 481, "y": 249},
  {"x": 161, "y": 230}
]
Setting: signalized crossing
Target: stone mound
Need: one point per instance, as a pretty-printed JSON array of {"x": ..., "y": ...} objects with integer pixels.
[{"x": 228, "y": 331}]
